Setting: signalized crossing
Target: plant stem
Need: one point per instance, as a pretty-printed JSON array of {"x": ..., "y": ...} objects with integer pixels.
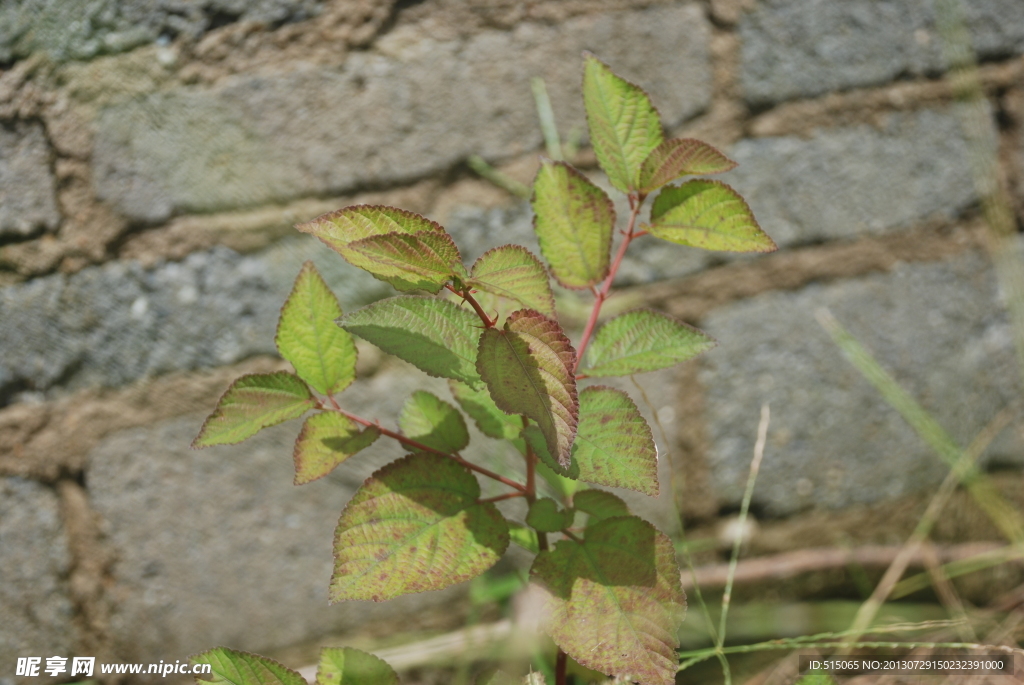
[
  {"x": 507, "y": 495},
  {"x": 466, "y": 295},
  {"x": 635, "y": 203},
  {"x": 427, "y": 448},
  {"x": 561, "y": 664}
]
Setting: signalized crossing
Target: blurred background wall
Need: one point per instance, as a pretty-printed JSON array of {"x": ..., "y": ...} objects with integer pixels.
[{"x": 154, "y": 155}]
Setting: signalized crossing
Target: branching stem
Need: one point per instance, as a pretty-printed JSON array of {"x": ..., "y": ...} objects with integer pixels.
[
  {"x": 466, "y": 295},
  {"x": 635, "y": 203}
]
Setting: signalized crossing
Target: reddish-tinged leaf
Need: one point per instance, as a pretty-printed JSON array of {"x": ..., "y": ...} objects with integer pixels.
[
  {"x": 624, "y": 125},
  {"x": 614, "y": 445},
  {"x": 232, "y": 667},
  {"x": 512, "y": 272},
  {"x": 527, "y": 367},
  {"x": 323, "y": 355},
  {"x": 420, "y": 261},
  {"x": 326, "y": 440},
  {"x": 614, "y": 600},
  {"x": 574, "y": 221},
  {"x": 415, "y": 525},
  {"x": 252, "y": 403},
  {"x": 642, "y": 340},
  {"x": 709, "y": 215},
  {"x": 680, "y": 157},
  {"x": 339, "y": 228}
]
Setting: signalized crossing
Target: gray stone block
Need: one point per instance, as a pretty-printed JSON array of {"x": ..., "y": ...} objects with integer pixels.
[
  {"x": 411, "y": 107},
  {"x": 217, "y": 547},
  {"x": 804, "y": 48},
  {"x": 939, "y": 329},
  {"x": 27, "y": 194},
  {"x": 34, "y": 565},
  {"x": 842, "y": 183},
  {"x": 112, "y": 324},
  {"x": 79, "y": 29}
]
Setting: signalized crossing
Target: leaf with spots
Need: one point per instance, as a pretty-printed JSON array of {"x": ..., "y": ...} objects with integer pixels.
[
  {"x": 348, "y": 666},
  {"x": 326, "y": 440},
  {"x": 512, "y": 272},
  {"x": 433, "y": 422},
  {"x": 642, "y": 340},
  {"x": 233, "y": 667},
  {"x": 680, "y": 157},
  {"x": 435, "y": 335},
  {"x": 574, "y": 221},
  {"x": 624, "y": 125},
  {"x": 415, "y": 525},
  {"x": 323, "y": 355},
  {"x": 527, "y": 367},
  {"x": 420, "y": 261},
  {"x": 709, "y": 215},
  {"x": 252, "y": 403},
  {"x": 614, "y": 445},
  {"x": 614, "y": 600}
]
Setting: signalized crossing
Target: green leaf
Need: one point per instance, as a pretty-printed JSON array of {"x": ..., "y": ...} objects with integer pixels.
[
  {"x": 511, "y": 271},
  {"x": 642, "y": 340},
  {"x": 420, "y": 261},
  {"x": 709, "y": 215},
  {"x": 326, "y": 440},
  {"x": 433, "y": 422},
  {"x": 415, "y": 525},
  {"x": 615, "y": 599},
  {"x": 497, "y": 677},
  {"x": 323, "y": 355},
  {"x": 816, "y": 678},
  {"x": 614, "y": 445},
  {"x": 624, "y": 125},
  {"x": 528, "y": 367},
  {"x": 547, "y": 517},
  {"x": 538, "y": 443},
  {"x": 253, "y": 402},
  {"x": 599, "y": 504},
  {"x": 680, "y": 157},
  {"x": 491, "y": 421},
  {"x": 232, "y": 667},
  {"x": 347, "y": 666},
  {"x": 574, "y": 221},
  {"x": 434, "y": 335},
  {"x": 523, "y": 536}
]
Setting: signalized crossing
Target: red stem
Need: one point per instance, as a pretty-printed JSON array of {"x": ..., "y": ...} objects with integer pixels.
[
  {"x": 561, "y": 664},
  {"x": 468, "y": 297},
  {"x": 507, "y": 495},
  {"x": 635, "y": 202},
  {"x": 427, "y": 448}
]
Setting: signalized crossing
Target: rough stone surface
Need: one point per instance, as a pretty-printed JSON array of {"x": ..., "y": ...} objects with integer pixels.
[
  {"x": 34, "y": 564},
  {"x": 79, "y": 29},
  {"x": 218, "y": 547},
  {"x": 113, "y": 324},
  {"x": 27, "y": 194},
  {"x": 410, "y": 107},
  {"x": 938, "y": 328},
  {"x": 804, "y": 48},
  {"x": 841, "y": 183}
]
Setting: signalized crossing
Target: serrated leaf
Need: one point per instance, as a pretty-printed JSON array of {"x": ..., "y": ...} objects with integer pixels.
[
  {"x": 232, "y": 667},
  {"x": 434, "y": 335},
  {"x": 348, "y": 666},
  {"x": 512, "y": 272},
  {"x": 420, "y": 261},
  {"x": 523, "y": 536},
  {"x": 528, "y": 368},
  {"x": 624, "y": 125},
  {"x": 574, "y": 221},
  {"x": 614, "y": 445},
  {"x": 326, "y": 440},
  {"x": 709, "y": 215},
  {"x": 323, "y": 355},
  {"x": 615, "y": 599},
  {"x": 642, "y": 340},
  {"x": 547, "y": 517},
  {"x": 414, "y": 525},
  {"x": 599, "y": 505},
  {"x": 491, "y": 421},
  {"x": 433, "y": 422},
  {"x": 680, "y": 157},
  {"x": 252, "y": 403},
  {"x": 538, "y": 443}
]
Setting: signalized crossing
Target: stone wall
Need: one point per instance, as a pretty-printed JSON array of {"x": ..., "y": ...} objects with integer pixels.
[{"x": 154, "y": 156}]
